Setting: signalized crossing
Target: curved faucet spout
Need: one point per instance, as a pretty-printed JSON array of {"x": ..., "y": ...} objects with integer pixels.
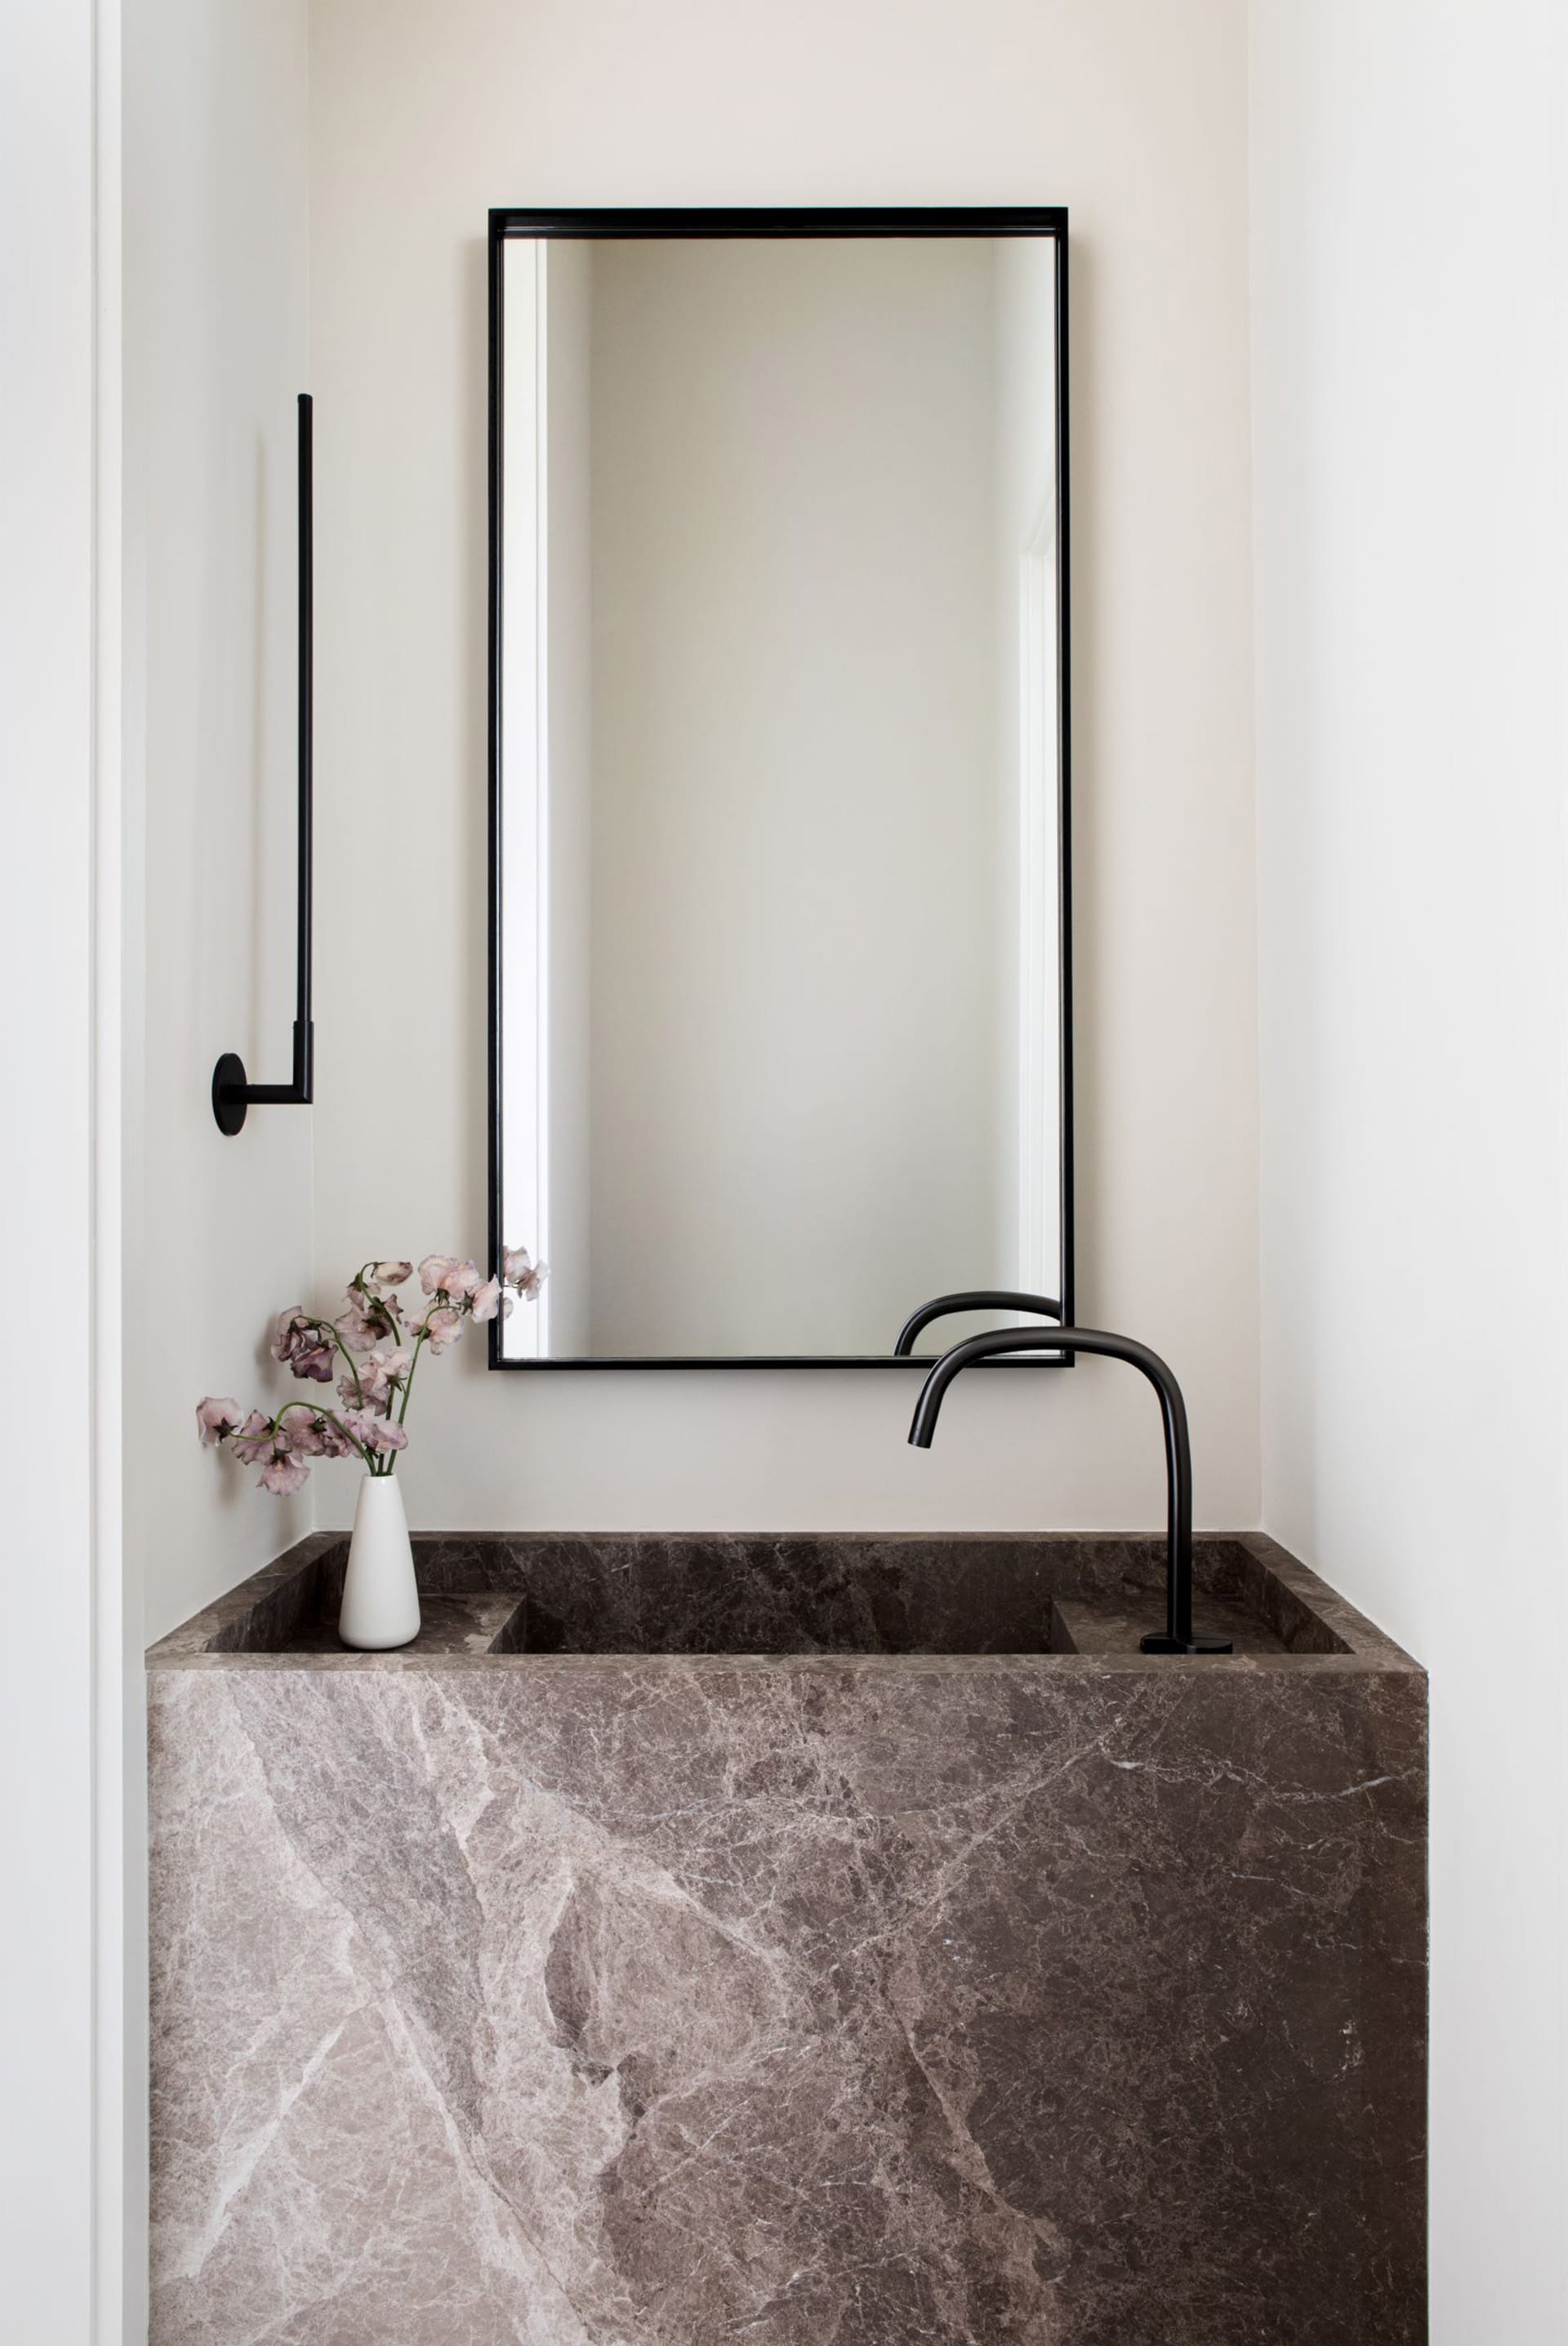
[
  {"x": 976, "y": 1298},
  {"x": 1177, "y": 1636}
]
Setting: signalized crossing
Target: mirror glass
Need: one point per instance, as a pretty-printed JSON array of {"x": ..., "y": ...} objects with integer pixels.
[{"x": 779, "y": 777}]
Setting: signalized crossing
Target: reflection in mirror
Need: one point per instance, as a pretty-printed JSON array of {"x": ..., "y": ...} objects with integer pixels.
[{"x": 780, "y": 785}]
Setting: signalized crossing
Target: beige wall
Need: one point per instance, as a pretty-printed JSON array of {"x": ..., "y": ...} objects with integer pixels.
[
  {"x": 1134, "y": 115},
  {"x": 218, "y": 1232},
  {"x": 1410, "y": 381}
]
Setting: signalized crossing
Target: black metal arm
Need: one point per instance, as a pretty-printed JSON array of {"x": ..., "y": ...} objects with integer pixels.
[
  {"x": 977, "y": 1298},
  {"x": 1178, "y": 1635},
  {"x": 232, "y": 1093}
]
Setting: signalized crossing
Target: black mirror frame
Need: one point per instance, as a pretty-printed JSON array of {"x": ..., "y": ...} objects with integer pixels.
[{"x": 508, "y": 222}]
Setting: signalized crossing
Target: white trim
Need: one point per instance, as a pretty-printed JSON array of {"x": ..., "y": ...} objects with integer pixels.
[
  {"x": 62, "y": 1708},
  {"x": 120, "y": 2032}
]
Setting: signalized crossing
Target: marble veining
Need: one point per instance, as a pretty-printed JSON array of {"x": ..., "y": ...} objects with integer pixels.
[{"x": 661, "y": 1999}]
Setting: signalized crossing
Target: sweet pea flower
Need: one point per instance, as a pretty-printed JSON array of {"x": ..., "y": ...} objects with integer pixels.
[
  {"x": 271, "y": 1447},
  {"x": 371, "y": 1325},
  {"x": 381, "y": 1278},
  {"x": 214, "y": 1419},
  {"x": 444, "y": 1274},
  {"x": 441, "y": 1327},
  {"x": 363, "y": 1321},
  {"x": 375, "y": 1434},
  {"x": 381, "y": 1375},
  {"x": 283, "y": 1474},
  {"x": 314, "y": 1433},
  {"x": 303, "y": 1345},
  {"x": 253, "y": 1440},
  {"x": 519, "y": 1271}
]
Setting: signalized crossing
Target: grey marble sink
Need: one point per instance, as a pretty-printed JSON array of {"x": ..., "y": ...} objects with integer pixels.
[
  {"x": 796, "y": 1940},
  {"x": 618, "y": 1593}
]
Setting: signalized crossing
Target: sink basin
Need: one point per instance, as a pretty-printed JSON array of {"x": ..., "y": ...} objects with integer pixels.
[{"x": 617, "y": 1593}]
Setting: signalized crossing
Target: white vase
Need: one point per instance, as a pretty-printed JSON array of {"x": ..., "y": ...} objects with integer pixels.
[{"x": 380, "y": 1598}]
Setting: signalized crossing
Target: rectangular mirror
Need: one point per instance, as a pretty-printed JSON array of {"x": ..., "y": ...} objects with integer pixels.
[{"x": 780, "y": 1003}]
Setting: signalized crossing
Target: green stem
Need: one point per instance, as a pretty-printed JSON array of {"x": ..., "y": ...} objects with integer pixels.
[{"x": 408, "y": 1380}]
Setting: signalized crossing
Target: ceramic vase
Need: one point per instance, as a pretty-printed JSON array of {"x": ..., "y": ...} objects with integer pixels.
[{"x": 381, "y": 1599}]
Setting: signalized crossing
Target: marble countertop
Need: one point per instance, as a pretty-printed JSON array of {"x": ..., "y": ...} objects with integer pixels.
[{"x": 510, "y": 1600}]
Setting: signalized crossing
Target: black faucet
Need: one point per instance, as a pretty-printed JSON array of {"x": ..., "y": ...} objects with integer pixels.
[
  {"x": 974, "y": 1299},
  {"x": 1178, "y": 1635}
]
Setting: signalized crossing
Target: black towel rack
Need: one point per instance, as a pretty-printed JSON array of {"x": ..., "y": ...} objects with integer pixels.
[{"x": 232, "y": 1093}]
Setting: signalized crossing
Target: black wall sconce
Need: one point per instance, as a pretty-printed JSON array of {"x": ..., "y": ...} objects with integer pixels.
[{"x": 232, "y": 1093}]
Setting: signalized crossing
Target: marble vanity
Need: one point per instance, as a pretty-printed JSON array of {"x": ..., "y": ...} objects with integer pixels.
[{"x": 795, "y": 1941}]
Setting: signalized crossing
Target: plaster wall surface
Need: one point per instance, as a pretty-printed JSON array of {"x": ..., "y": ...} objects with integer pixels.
[
  {"x": 1409, "y": 386},
  {"x": 1133, "y": 116},
  {"x": 216, "y": 302}
]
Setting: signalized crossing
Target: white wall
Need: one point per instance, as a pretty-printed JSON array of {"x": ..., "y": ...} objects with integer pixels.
[
  {"x": 1134, "y": 115},
  {"x": 1410, "y": 245},
  {"x": 216, "y": 291},
  {"x": 797, "y": 1008},
  {"x": 211, "y": 104}
]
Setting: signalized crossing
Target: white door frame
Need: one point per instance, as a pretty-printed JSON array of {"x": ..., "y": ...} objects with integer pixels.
[{"x": 65, "y": 1663}]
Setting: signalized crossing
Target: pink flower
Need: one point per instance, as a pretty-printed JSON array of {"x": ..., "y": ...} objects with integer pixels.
[
  {"x": 380, "y": 1376},
  {"x": 375, "y": 1432},
  {"x": 363, "y": 1321},
  {"x": 287, "y": 1330},
  {"x": 486, "y": 1300},
  {"x": 253, "y": 1441},
  {"x": 444, "y": 1274},
  {"x": 517, "y": 1270},
  {"x": 282, "y": 1475},
  {"x": 440, "y": 1327},
  {"x": 273, "y": 1448},
  {"x": 381, "y": 1278},
  {"x": 315, "y": 1434},
  {"x": 303, "y": 1345},
  {"x": 214, "y": 1419}
]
